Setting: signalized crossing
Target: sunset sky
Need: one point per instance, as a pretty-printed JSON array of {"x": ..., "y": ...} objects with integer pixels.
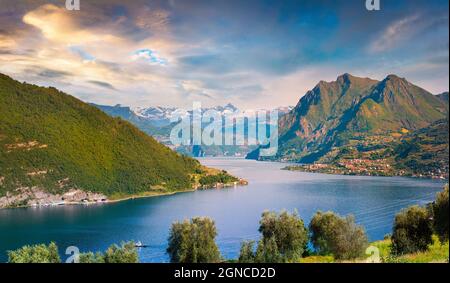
[{"x": 252, "y": 53}]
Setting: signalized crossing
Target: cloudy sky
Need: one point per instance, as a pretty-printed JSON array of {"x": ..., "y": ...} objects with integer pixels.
[{"x": 252, "y": 53}]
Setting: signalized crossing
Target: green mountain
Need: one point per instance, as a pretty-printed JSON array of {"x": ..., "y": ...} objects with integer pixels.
[
  {"x": 52, "y": 143},
  {"x": 335, "y": 119},
  {"x": 443, "y": 96},
  {"x": 320, "y": 116},
  {"x": 425, "y": 150}
]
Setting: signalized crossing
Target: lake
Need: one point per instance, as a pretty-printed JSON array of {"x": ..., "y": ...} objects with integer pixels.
[{"x": 373, "y": 201}]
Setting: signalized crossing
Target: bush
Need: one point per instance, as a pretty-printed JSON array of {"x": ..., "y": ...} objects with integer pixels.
[
  {"x": 35, "y": 254},
  {"x": 412, "y": 231},
  {"x": 437, "y": 252},
  {"x": 193, "y": 242},
  {"x": 440, "y": 215},
  {"x": 337, "y": 236}
]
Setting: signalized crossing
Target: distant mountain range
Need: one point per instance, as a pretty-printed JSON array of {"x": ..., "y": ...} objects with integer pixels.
[
  {"x": 161, "y": 116},
  {"x": 156, "y": 121},
  {"x": 351, "y": 113},
  {"x": 55, "y": 148}
]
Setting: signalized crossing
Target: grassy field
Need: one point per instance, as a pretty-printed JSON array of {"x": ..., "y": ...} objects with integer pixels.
[{"x": 437, "y": 253}]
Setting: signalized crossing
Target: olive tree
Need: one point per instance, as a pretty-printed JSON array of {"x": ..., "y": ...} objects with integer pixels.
[
  {"x": 90, "y": 257},
  {"x": 125, "y": 253},
  {"x": 268, "y": 252},
  {"x": 440, "y": 214},
  {"x": 286, "y": 231},
  {"x": 412, "y": 230},
  {"x": 337, "y": 236},
  {"x": 193, "y": 241},
  {"x": 35, "y": 254},
  {"x": 247, "y": 254},
  {"x": 284, "y": 238}
]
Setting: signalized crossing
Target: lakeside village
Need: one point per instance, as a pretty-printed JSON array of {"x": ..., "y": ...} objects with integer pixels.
[
  {"x": 367, "y": 167},
  {"x": 378, "y": 155}
]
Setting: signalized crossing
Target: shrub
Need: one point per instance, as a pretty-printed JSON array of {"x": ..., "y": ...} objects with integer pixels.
[
  {"x": 193, "y": 242},
  {"x": 35, "y": 254},
  {"x": 440, "y": 215},
  {"x": 412, "y": 231},
  {"x": 437, "y": 253},
  {"x": 337, "y": 236}
]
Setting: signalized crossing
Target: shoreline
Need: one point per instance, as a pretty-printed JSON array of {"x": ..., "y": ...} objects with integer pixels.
[
  {"x": 300, "y": 168},
  {"x": 292, "y": 166},
  {"x": 239, "y": 183}
]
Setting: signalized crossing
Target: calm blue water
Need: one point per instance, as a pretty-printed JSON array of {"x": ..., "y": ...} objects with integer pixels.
[{"x": 373, "y": 200}]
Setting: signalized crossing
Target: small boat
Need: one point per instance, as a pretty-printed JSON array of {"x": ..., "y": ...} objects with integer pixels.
[{"x": 139, "y": 244}]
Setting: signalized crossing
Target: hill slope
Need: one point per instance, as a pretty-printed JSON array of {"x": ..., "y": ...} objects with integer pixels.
[
  {"x": 52, "y": 143},
  {"x": 443, "y": 96},
  {"x": 425, "y": 150},
  {"x": 422, "y": 153}
]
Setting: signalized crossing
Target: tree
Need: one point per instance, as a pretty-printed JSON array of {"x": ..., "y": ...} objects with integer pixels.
[
  {"x": 247, "y": 254},
  {"x": 440, "y": 214},
  {"x": 125, "y": 253},
  {"x": 338, "y": 236},
  {"x": 284, "y": 233},
  {"x": 268, "y": 252},
  {"x": 412, "y": 230},
  {"x": 35, "y": 254},
  {"x": 194, "y": 242},
  {"x": 90, "y": 257}
]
